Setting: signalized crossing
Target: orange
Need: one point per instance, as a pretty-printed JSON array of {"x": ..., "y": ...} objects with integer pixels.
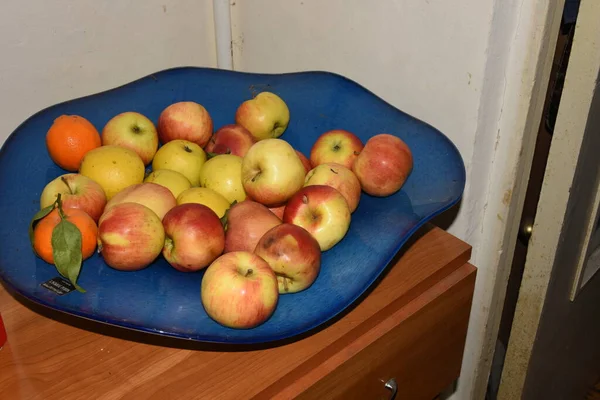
[
  {"x": 42, "y": 233},
  {"x": 69, "y": 138}
]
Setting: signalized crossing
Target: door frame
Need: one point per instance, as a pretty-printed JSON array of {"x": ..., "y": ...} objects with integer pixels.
[
  {"x": 558, "y": 201},
  {"x": 534, "y": 29}
]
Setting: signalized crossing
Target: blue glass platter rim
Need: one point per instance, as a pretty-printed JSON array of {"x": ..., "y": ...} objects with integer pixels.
[{"x": 411, "y": 216}]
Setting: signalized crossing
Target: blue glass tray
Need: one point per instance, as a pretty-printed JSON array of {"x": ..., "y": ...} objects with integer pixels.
[{"x": 164, "y": 301}]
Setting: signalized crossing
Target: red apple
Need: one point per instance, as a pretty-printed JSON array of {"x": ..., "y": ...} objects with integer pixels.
[
  {"x": 152, "y": 195},
  {"x": 383, "y": 165},
  {"x": 130, "y": 236},
  {"x": 239, "y": 290},
  {"x": 194, "y": 237},
  {"x": 322, "y": 211},
  {"x": 247, "y": 222},
  {"x": 185, "y": 120},
  {"x": 294, "y": 255},
  {"x": 230, "y": 139},
  {"x": 305, "y": 161},
  {"x": 338, "y": 146},
  {"x": 339, "y": 177},
  {"x": 133, "y": 131},
  {"x": 278, "y": 211},
  {"x": 77, "y": 191}
]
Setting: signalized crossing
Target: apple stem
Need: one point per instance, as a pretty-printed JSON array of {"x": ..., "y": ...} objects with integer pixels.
[
  {"x": 62, "y": 178},
  {"x": 59, "y": 206},
  {"x": 187, "y": 149},
  {"x": 168, "y": 246},
  {"x": 249, "y": 272},
  {"x": 334, "y": 171}
]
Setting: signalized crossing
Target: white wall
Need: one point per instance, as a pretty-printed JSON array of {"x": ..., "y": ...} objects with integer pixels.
[
  {"x": 58, "y": 50},
  {"x": 444, "y": 62},
  {"x": 425, "y": 57}
]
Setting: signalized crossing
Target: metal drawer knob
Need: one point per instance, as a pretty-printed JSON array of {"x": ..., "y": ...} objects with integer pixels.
[{"x": 392, "y": 386}]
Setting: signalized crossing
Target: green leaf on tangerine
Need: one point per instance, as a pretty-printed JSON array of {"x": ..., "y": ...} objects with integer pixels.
[
  {"x": 36, "y": 217},
  {"x": 66, "y": 250}
]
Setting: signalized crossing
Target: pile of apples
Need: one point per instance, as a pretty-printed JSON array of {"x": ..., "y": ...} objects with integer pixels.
[{"x": 240, "y": 202}]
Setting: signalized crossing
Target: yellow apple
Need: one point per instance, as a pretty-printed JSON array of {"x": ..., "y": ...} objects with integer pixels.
[
  {"x": 172, "y": 180},
  {"x": 208, "y": 197},
  {"x": 223, "y": 174},
  {"x": 181, "y": 156},
  {"x": 272, "y": 172},
  {"x": 113, "y": 167},
  {"x": 265, "y": 116}
]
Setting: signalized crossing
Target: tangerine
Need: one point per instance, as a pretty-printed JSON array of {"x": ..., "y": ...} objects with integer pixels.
[
  {"x": 69, "y": 138},
  {"x": 42, "y": 233}
]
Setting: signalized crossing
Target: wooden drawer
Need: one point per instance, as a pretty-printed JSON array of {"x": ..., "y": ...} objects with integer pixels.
[
  {"x": 411, "y": 326},
  {"x": 419, "y": 345}
]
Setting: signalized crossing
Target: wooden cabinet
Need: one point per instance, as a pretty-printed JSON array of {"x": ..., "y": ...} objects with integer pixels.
[{"x": 411, "y": 326}]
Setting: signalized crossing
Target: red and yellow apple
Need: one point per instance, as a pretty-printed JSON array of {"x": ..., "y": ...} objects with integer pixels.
[
  {"x": 383, "y": 165},
  {"x": 305, "y": 161},
  {"x": 339, "y": 177},
  {"x": 130, "y": 236},
  {"x": 152, "y": 195},
  {"x": 293, "y": 254},
  {"x": 322, "y": 211},
  {"x": 134, "y": 131},
  {"x": 265, "y": 116},
  {"x": 194, "y": 237},
  {"x": 247, "y": 222},
  {"x": 239, "y": 290},
  {"x": 230, "y": 139},
  {"x": 338, "y": 146},
  {"x": 77, "y": 191},
  {"x": 185, "y": 120},
  {"x": 272, "y": 172}
]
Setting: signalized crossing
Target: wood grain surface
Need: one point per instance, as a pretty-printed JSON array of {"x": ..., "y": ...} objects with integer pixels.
[{"x": 51, "y": 355}]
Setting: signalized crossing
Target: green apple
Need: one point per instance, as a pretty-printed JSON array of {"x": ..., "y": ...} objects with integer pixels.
[
  {"x": 265, "y": 116},
  {"x": 181, "y": 156},
  {"x": 223, "y": 174},
  {"x": 133, "y": 131}
]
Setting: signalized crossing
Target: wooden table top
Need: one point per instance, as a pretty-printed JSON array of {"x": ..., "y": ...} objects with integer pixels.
[{"x": 52, "y": 355}]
